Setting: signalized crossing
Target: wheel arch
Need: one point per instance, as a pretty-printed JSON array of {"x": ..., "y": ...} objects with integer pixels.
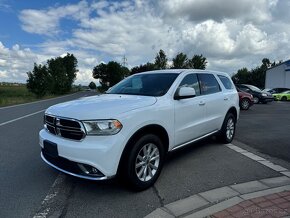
[
  {"x": 233, "y": 110},
  {"x": 155, "y": 129}
]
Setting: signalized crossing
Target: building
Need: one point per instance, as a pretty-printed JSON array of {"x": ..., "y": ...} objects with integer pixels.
[{"x": 278, "y": 76}]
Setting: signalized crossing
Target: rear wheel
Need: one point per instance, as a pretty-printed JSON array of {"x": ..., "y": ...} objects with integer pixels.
[
  {"x": 227, "y": 132},
  {"x": 284, "y": 98},
  {"x": 144, "y": 162},
  {"x": 245, "y": 104}
]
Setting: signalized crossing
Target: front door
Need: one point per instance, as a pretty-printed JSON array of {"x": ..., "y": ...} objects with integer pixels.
[{"x": 189, "y": 113}]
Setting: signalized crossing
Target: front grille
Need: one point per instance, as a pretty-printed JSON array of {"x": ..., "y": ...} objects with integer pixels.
[{"x": 64, "y": 127}]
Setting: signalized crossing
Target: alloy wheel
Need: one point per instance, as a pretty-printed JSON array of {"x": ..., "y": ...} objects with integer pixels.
[
  {"x": 147, "y": 162},
  {"x": 230, "y": 130}
]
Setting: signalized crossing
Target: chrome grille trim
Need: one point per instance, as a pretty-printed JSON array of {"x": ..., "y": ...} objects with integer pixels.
[{"x": 53, "y": 125}]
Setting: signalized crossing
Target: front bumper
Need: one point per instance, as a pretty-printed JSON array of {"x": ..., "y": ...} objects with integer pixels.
[
  {"x": 267, "y": 99},
  {"x": 100, "y": 152},
  {"x": 70, "y": 170}
]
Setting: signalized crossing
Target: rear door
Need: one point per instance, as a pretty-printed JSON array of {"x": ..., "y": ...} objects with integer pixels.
[{"x": 215, "y": 102}]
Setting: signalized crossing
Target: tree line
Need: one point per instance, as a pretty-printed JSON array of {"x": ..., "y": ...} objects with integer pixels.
[
  {"x": 111, "y": 73},
  {"x": 255, "y": 76},
  {"x": 58, "y": 74}
]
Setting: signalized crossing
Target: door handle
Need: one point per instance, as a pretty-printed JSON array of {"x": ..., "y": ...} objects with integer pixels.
[
  {"x": 201, "y": 103},
  {"x": 226, "y": 98}
]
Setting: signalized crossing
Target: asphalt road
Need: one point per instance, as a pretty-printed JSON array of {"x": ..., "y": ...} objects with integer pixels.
[
  {"x": 266, "y": 127},
  {"x": 26, "y": 182},
  {"x": 23, "y": 183}
]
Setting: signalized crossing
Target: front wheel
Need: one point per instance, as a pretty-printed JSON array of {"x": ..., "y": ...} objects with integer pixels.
[
  {"x": 144, "y": 162},
  {"x": 227, "y": 132},
  {"x": 284, "y": 98},
  {"x": 256, "y": 100}
]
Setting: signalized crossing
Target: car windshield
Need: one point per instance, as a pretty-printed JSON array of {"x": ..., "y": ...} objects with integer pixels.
[
  {"x": 149, "y": 84},
  {"x": 254, "y": 88}
]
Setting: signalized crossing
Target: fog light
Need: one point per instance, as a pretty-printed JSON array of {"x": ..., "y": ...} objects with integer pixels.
[
  {"x": 89, "y": 170},
  {"x": 95, "y": 171}
]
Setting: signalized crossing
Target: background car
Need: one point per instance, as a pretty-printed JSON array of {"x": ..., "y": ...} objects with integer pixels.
[
  {"x": 276, "y": 90},
  {"x": 284, "y": 96},
  {"x": 258, "y": 95},
  {"x": 246, "y": 100}
]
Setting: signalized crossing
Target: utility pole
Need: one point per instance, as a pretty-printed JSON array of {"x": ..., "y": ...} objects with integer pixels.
[{"x": 124, "y": 63}]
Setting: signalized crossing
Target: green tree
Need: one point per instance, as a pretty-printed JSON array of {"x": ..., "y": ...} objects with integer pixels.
[
  {"x": 242, "y": 76},
  {"x": 255, "y": 76},
  {"x": 62, "y": 73},
  {"x": 180, "y": 61},
  {"x": 197, "y": 62},
  {"x": 142, "y": 68},
  {"x": 259, "y": 73},
  {"x": 92, "y": 85},
  {"x": 110, "y": 74},
  {"x": 161, "y": 60},
  {"x": 37, "y": 80}
]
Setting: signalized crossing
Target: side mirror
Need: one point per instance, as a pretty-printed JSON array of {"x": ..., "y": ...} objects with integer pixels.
[{"x": 184, "y": 92}]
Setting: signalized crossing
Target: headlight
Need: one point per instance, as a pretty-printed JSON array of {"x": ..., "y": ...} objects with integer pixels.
[
  {"x": 264, "y": 94},
  {"x": 102, "y": 127}
]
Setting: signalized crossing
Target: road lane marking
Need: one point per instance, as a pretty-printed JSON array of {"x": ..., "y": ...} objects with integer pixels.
[
  {"x": 56, "y": 201},
  {"x": 50, "y": 197},
  {"x": 19, "y": 118}
]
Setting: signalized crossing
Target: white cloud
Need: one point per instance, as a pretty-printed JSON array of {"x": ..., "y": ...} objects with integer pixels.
[
  {"x": 209, "y": 37},
  {"x": 229, "y": 34},
  {"x": 251, "y": 40},
  {"x": 3, "y": 74},
  {"x": 200, "y": 10},
  {"x": 15, "y": 62},
  {"x": 47, "y": 22}
]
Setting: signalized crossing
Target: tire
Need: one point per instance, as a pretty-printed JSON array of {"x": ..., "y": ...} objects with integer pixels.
[
  {"x": 256, "y": 100},
  {"x": 245, "y": 104},
  {"x": 144, "y": 162},
  {"x": 284, "y": 98},
  {"x": 227, "y": 132}
]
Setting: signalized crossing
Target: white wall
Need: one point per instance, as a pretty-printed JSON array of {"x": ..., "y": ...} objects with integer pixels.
[{"x": 275, "y": 77}]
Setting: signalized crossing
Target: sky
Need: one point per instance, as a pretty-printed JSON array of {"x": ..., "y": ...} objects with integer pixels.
[{"x": 231, "y": 34}]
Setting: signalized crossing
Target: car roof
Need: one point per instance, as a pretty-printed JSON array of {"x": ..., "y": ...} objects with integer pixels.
[{"x": 179, "y": 71}]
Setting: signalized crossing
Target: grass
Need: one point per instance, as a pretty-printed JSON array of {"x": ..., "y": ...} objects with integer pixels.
[{"x": 11, "y": 95}]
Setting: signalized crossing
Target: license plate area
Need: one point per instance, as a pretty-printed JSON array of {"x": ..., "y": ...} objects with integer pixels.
[{"x": 50, "y": 148}]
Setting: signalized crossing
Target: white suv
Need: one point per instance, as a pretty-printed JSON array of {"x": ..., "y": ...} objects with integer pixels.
[{"x": 129, "y": 130}]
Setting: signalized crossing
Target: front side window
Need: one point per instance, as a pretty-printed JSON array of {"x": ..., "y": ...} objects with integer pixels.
[
  {"x": 153, "y": 84},
  {"x": 226, "y": 82},
  {"x": 191, "y": 81},
  {"x": 208, "y": 84}
]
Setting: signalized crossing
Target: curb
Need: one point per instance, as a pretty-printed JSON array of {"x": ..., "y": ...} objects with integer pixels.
[{"x": 209, "y": 202}]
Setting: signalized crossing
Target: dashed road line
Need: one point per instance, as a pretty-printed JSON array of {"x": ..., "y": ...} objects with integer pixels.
[
  {"x": 56, "y": 199},
  {"x": 19, "y": 118}
]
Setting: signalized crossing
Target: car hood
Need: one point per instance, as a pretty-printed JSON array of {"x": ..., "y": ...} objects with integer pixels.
[{"x": 106, "y": 106}]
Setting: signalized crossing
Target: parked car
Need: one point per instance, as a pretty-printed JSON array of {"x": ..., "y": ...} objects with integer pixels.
[
  {"x": 129, "y": 130},
  {"x": 276, "y": 90},
  {"x": 258, "y": 95},
  {"x": 284, "y": 96},
  {"x": 246, "y": 100}
]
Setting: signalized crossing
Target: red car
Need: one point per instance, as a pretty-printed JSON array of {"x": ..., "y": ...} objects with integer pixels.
[{"x": 246, "y": 99}]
